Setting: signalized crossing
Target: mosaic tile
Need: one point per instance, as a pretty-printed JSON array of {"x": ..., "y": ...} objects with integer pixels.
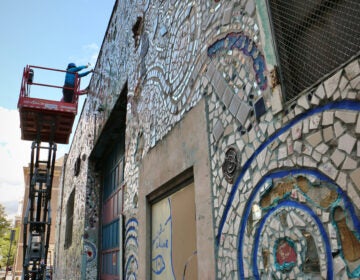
[
  {"x": 218, "y": 130},
  {"x": 339, "y": 265},
  {"x": 227, "y": 16},
  {"x": 325, "y": 217},
  {"x": 344, "y": 83},
  {"x": 271, "y": 129},
  {"x": 243, "y": 113},
  {"x": 346, "y": 117},
  {"x": 307, "y": 149},
  {"x": 355, "y": 83},
  {"x": 276, "y": 101},
  {"x": 305, "y": 126},
  {"x": 339, "y": 129},
  {"x": 227, "y": 97},
  {"x": 331, "y": 84},
  {"x": 296, "y": 131},
  {"x": 235, "y": 105},
  {"x": 314, "y": 139},
  {"x": 336, "y": 95},
  {"x": 337, "y": 157},
  {"x": 355, "y": 177},
  {"x": 346, "y": 143},
  {"x": 250, "y": 7},
  {"x": 341, "y": 179},
  {"x": 328, "y": 169},
  {"x": 352, "y": 70},
  {"x": 328, "y": 134},
  {"x": 351, "y": 94},
  {"x": 322, "y": 148},
  {"x": 284, "y": 136},
  {"x": 263, "y": 127},
  {"x": 314, "y": 122},
  {"x": 211, "y": 68},
  {"x": 349, "y": 164},
  {"x": 297, "y": 111},
  {"x": 259, "y": 108},
  {"x": 303, "y": 102},
  {"x": 320, "y": 92},
  {"x": 328, "y": 118},
  {"x": 308, "y": 162},
  {"x": 269, "y": 117}
]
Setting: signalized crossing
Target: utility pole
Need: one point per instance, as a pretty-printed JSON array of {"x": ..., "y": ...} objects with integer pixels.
[{"x": 12, "y": 236}]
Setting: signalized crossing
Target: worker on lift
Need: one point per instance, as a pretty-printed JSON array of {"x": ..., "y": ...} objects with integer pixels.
[{"x": 68, "y": 90}]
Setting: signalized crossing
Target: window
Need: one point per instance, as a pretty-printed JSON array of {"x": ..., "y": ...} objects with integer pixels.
[
  {"x": 173, "y": 236},
  {"x": 110, "y": 263},
  {"x": 110, "y": 235},
  {"x": 77, "y": 166},
  {"x": 113, "y": 172},
  {"x": 313, "y": 38},
  {"x": 69, "y": 219},
  {"x": 137, "y": 30}
]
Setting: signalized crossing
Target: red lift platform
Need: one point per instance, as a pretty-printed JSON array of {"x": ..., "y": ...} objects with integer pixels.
[{"x": 43, "y": 120}]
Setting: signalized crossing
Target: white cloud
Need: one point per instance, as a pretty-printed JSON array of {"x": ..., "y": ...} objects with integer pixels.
[
  {"x": 89, "y": 54},
  {"x": 91, "y": 47},
  {"x": 14, "y": 154},
  {"x": 92, "y": 52}
]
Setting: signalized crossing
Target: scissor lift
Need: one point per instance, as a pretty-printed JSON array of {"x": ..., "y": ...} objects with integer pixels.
[{"x": 48, "y": 121}]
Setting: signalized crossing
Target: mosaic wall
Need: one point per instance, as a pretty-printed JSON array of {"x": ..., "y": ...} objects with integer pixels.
[
  {"x": 108, "y": 80},
  {"x": 131, "y": 245},
  {"x": 292, "y": 212},
  {"x": 70, "y": 262},
  {"x": 285, "y": 186}
]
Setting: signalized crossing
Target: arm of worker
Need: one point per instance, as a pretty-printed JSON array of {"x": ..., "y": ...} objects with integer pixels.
[
  {"x": 85, "y": 73},
  {"x": 77, "y": 69}
]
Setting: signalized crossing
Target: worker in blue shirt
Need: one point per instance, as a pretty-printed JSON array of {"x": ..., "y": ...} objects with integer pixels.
[{"x": 68, "y": 90}]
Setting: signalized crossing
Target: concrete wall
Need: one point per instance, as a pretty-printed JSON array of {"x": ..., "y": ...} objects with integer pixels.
[
  {"x": 276, "y": 185},
  {"x": 185, "y": 147}
]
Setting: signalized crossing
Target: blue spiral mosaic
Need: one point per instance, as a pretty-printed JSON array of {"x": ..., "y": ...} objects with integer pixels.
[{"x": 248, "y": 47}]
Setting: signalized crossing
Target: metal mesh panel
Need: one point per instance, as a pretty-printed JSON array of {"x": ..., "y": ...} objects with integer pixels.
[{"x": 313, "y": 37}]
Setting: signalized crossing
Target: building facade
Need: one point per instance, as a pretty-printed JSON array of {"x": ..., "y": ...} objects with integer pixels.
[{"x": 219, "y": 140}]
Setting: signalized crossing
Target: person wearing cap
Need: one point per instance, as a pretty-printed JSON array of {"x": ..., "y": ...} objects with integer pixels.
[{"x": 68, "y": 90}]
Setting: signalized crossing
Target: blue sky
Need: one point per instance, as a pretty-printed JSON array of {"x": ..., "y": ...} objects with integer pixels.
[{"x": 42, "y": 33}]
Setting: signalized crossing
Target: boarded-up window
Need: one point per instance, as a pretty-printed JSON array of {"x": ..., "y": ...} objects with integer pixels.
[{"x": 173, "y": 234}]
